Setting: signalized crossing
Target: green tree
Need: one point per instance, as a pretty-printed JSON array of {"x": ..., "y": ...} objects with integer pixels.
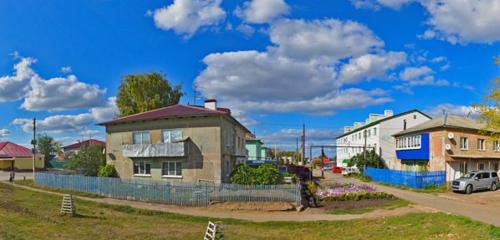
[
  {"x": 46, "y": 146},
  {"x": 490, "y": 111},
  {"x": 88, "y": 161},
  {"x": 368, "y": 158},
  {"x": 143, "y": 92}
]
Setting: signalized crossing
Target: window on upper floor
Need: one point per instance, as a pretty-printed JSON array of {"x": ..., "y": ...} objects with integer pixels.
[
  {"x": 374, "y": 131},
  {"x": 172, "y": 135},
  {"x": 481, "y": 144},
  {"x": 496, "y": 145},
  {"x": 141, "y": 138},
  {"x": 409, "y": 142},
  {"x": 464, "y": 143}
]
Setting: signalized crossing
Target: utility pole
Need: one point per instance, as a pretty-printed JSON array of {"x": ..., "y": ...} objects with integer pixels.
[
  {"x": 34, "y": 146},
  {"x": 364, "y": 146},
  {"x": 322, "y": 163},
  {"x": 295, "y": 156},
  {"x": 303, "y": 144}
]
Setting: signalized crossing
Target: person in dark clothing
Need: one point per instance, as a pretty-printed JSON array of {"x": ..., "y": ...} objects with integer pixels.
[{"x": 307, "y": 196}]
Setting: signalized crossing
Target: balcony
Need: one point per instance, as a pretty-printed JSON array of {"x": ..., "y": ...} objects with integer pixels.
[{"x": 174, "y": 149}]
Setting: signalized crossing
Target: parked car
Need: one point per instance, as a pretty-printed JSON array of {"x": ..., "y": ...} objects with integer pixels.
[
  {"x": 350, "y": 170},
  {"x": 337, "y": 169},
  {"x": 476, "y": 180}
]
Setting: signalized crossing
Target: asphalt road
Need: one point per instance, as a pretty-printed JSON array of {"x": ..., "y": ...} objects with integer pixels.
[{"x": 481, "y": 206}]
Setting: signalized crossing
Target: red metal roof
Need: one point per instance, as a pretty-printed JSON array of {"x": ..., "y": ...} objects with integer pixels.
[
  {"x": 173, "y": 111},
  {"x": 88, "y": 142},
  {"x": 11, "y": 150}
]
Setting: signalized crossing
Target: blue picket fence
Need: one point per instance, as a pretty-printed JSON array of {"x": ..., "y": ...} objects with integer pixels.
[
  {"x": 406, "y": 178},
  {"x": 177, "y": 193}
]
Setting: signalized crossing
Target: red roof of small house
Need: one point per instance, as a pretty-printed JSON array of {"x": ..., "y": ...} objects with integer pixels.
[
  {"x": 79, "y": 144},
  {"x": 12, "y": 150},
  {"x": 174, "y": 111}
]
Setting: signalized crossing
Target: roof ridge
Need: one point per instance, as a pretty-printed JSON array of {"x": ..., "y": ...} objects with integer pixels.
[{"x": 152, "y": 110}]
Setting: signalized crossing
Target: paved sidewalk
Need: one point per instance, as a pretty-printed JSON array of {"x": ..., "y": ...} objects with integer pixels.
[
  {"x": 455, "y": 204},
  {"x": 4, "y": 175},
  {"x": 255, "y": 216}
]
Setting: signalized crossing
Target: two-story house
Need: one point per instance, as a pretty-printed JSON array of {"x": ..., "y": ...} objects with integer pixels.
[
  {"x": 453, "y": 144},
  {"x": 256, "y": 150},
  {"x": 177, "y": 143},
  {"x": 375, "y": 133}
]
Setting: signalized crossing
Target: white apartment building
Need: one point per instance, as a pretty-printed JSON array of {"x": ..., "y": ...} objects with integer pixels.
[{"x": 376, "y": 133}]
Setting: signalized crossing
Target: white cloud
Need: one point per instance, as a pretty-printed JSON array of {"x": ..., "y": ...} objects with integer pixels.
[
  {"x": 370, "y": 66},
  {"x": 415, "y": 73},
  {"x": 246, "y": 29},
  {"x": 376, "y": 4},
  {"x": 455, "y": 21},
  {"x": 57, "y": 123},
  {"x": 66, "y": 69},
  {"x": 326, "y": 40},
  {"x": 454, "y": 109},
  {"x": 4, "y": 133},
  {"x": 463, "y": 21},
  {"x": 235, "y": 74},
  {"x": 14, "y": 87},
  {"x": 89, "y": 132},
  {"x": 299, "y": 72},
  {"x": 57, "y": 94},
  {"x": 262, "y": 11},
  {"x": 106, "y": 112},
  {"x": 187, "y": 16}
]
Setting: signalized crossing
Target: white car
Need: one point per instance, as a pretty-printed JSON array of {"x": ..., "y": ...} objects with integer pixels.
[{"x": 350, "y": 170}]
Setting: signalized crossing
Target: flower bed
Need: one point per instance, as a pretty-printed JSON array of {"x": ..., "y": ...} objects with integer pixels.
[{"x": 351, "y": 192}]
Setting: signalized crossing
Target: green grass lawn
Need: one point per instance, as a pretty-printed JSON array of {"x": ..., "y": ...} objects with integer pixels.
[{"x": 25, "y": 214}]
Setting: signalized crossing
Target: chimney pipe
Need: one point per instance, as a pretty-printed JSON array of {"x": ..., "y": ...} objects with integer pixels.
[{"x": 211, "y": 104}]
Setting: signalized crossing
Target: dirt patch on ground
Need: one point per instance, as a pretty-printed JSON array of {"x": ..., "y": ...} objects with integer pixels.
[
  {"x": 252, "y": 206},
  {"x": 355, "y": 204}
]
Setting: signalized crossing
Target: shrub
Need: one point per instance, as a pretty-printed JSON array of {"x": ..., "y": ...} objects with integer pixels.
[
  {"x": 265, "y": 174},
  {"x": 87, "y": 161},
  {"x": 359, "y": 196},
  {"x": 107, "y": 171}
]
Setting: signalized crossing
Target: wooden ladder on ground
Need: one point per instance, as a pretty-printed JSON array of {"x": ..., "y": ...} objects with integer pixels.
[
  {"x": 215, "y": 231},
  {"x": 68, "y": 206}
]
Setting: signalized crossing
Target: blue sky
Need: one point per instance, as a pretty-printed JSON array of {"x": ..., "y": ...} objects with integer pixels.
[{"x": 275, "y": 63}]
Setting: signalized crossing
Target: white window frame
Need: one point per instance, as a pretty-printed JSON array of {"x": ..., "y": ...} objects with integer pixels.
[
  {"x": 177, "y": 164},
  {"x": 142, "y": 173},
  {"x": 170, "y": 131},
  {"x": 481, "y": 144},
  {"x": 412, "y": 142},
  {"x": 142, "y": 133},
  {"x": 464, "y": 143},
  {"x": 496, "y": 145}
]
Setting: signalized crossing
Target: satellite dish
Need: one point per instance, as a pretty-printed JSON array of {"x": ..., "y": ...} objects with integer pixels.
[
  {"x": 447, "y": 147},
  {"x": 451, "y": 135}
]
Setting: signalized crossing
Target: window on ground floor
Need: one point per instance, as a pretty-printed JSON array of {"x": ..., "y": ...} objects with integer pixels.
[
  {"x": 463, "y": 168},
  {"x": 142, "y": 168},
  {"x": 171, "y": 169},
  {"x": 481, "y": 166},
  {"x": 495, "y": 167}
]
